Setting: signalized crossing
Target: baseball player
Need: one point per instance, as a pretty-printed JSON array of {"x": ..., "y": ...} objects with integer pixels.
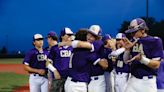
[
  {"x": 97, "y": 83},
  {"x": 34, "y": 63},
  {"x": 52, "y": 41},
  {"x": 60, "y": 57},
  {"x": 122, "y": 69},
  {"x": 109, "y": 45},
  {"x": 147, "y": 54},
  {"x": 81, "y": 60}
]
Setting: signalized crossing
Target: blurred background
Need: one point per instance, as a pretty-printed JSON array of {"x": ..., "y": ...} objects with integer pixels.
[{"x": 21, "y": 19}]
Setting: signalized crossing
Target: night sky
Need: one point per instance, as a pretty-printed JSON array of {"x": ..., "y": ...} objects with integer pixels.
[{"x": 21, "y": 19}]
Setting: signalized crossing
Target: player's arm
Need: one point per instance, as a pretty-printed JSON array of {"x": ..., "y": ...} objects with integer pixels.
[
  {"x": 34, "y": 70},
  {"x": 157, "y": 54},
  {"x": 27, "y": 66},
  {"x": 52, "y": 69},
  {"x": 152, "y": 63},
  {"x": 96, "y": 60},
  {"x": 77, "y": 44}
]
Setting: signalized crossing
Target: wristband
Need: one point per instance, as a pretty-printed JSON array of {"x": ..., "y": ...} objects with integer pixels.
[
  {"x": 50, "y": 67},
  {"x": 74, "y": 43},
  {"x": 145, "y": 60}
]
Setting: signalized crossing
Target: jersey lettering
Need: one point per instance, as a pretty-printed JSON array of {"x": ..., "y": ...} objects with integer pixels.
[
  {"x": 40, "y": 57},
  {"x": 138, "y": 48},
  {"x": 65, "y": 53}
]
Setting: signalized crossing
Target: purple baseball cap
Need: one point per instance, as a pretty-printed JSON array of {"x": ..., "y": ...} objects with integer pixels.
[
  {"x": 120, "y": 36},
  {"x": 106, "y": 37},
  {"x": 136, "y": 24},
  {"x": 52, "y": 34},
  {"x": 95, "y": 30}
]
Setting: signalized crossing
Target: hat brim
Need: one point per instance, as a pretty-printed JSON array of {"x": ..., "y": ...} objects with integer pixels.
[
  {"x": 130, "y": 31},
  {"x": 90, "y": 31},
  {"x": 39, "y": 39}
]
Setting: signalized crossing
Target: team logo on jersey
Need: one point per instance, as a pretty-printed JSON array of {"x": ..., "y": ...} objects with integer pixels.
[
  {"x": 65, "y": 53},
  {"x": 40, "y": 57},
  {"x": 138, "y": 48}
]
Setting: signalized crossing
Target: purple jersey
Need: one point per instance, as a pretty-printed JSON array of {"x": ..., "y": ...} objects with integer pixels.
[
  {"x": 61, "y": 57},
  {"x": 106, "y": 55},
  {"x": 99, "y": 50},
  {"x": 35, "y": 59},
  {"x": 121, "y": 66},
  {"x": 160, "y": 79},
  {"x": 80, "y": 63},
  {"x": 152, "y": 48}
]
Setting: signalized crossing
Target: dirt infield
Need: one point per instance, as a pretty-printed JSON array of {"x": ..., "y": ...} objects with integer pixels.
[{"x": 16, "y": 68}]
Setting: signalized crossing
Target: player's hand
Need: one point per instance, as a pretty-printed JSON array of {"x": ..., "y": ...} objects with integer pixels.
[
  {"x": 137, "y": 57},
  {"x": 48, "y": 61},
  {"x": 41, "y": 71},
  {"x": 103, "y": 63},
  {"x": 57, "y": 75},
  {"x": 113, "y": 44},
  {"x": 129, "y": 44}
]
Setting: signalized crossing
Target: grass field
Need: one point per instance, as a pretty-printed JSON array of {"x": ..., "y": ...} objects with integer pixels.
[
  {"x": 11, "y": 61},
  {"x": 10, "y": 81}
]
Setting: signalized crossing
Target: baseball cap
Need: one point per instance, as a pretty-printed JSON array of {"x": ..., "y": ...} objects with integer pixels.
[
  {"x": 52, "y": 34},
  {"x": 66, "y": 30},
  {"x": 106, "y": 37},
  {"x": 37, "y": 37},
  {"x": 95, "y": 30},
  {"x": 120, "y": 36},
  {"x": 136, "y": 24}
]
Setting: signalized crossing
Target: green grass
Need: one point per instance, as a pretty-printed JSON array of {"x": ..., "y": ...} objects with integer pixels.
[
  {"x": 10, "y": 81},
  {"x": 11, "y": 61}
]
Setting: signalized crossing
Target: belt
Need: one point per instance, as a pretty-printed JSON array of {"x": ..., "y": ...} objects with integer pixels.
[
  {"x": 147, "y": 77},
  {"x": 121, "y": 72},
  {"x": 35, "y": 74},
  {"x": 96, "y": 77},
  {"x": 74, "y": 80}
]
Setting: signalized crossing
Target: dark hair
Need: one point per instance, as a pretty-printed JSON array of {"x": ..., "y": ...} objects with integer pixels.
[
  {"x": 81, "y": 35},
  {"x": 105, "y": 42},
  {"x": 54, "y": 38}
]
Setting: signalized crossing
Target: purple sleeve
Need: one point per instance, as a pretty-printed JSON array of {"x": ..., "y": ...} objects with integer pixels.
[
  {"x": 27, "y": 58},
  {"x": 92, "y": 57},
  {"x": 97, "y": 45},
  {"x": 157, "y": 49},
  {"x": 51, "y": 55}
]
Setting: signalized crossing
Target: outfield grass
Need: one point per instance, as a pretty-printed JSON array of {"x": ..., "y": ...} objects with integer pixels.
[
  {"x": 10, "y": 81},
  {"x": 11, "y": 61}
]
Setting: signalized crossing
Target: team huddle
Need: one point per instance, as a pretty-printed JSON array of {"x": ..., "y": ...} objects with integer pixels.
[{"x": 89, "y": 62}]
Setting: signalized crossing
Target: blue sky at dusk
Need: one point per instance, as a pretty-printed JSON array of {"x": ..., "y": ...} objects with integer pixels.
[{"x": 21, "y": 19}]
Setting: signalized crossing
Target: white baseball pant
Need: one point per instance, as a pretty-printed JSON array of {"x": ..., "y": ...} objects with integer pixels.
[
  {"x": 97, "y": 84},
  {"x": 121, "y": 80},
  {"x": 38, "y": 83},
  {"x": 71, "y": 86},
  {"x": 141, "y": 85}
]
